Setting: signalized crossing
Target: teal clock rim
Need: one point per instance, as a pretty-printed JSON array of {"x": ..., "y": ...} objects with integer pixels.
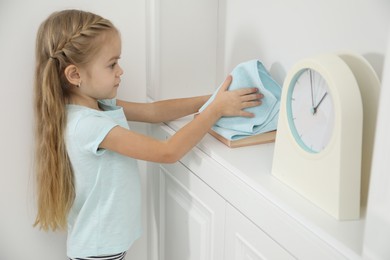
[{"x": 290, "y": 120}]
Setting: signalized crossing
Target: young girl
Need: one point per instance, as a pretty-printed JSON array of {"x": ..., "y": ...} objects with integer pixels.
[{"x": 87, "y": 176}]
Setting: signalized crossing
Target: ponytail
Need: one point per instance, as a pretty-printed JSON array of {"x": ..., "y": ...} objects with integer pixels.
[
  {"x": 65, "y": 38},
  {"x": 53, "y": 169}
]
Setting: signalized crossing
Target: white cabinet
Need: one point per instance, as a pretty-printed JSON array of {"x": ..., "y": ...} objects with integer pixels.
[
  {"x": 198, "y": 224},
  {"x": 192, "y": 45},
  {"x": 244, "y": 240},
  {"x": 192, "y": 217},
  {"x": 221, "y": 203}
]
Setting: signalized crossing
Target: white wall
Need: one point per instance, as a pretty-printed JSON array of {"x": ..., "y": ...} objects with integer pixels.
[
  {"x": 278, "y": 32},
  {"x": 19, "y": 21},
  {"x": 377, "y": 230},
  {"x": 281, "y": 32},
  {"x": 185, "y": 34}
]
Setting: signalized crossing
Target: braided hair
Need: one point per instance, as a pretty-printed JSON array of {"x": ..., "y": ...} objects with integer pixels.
[{"x": 69, "y": 37}]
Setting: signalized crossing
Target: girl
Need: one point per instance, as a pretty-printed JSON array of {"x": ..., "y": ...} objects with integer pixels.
[{"x": 87, "y": 176}]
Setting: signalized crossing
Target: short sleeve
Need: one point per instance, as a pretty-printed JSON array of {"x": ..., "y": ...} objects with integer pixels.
[{"x": 91, "y": 130}]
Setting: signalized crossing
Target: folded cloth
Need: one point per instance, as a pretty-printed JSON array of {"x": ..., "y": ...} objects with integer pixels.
[{"x": 251, "y": 74}]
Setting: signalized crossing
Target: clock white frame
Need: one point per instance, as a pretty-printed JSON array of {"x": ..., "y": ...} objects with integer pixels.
[
  {"x": 369, "y": 85},
  {"x": 331, "y": 177}
]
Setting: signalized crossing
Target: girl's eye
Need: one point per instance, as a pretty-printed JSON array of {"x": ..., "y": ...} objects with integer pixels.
[{"x": 113, "y": 65}]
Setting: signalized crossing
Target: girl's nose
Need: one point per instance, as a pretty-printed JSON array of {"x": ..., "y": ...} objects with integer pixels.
[{"x": 120, "y": 71}]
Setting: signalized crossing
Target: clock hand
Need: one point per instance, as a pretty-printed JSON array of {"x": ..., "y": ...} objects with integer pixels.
[
  {"x": 311, "y": 88},
  {"x": 315, "y": 108}
]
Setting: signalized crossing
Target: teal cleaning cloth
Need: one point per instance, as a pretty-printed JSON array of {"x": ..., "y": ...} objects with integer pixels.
[{"x": 251, "y": 74}]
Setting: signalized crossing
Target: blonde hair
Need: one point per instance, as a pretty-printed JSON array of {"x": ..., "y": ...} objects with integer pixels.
[{"x": 64, "y": 38}]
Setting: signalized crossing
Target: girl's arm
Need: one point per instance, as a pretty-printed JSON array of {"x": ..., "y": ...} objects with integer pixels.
[
  {"x": 226, "y": 103},
  {"x": 162, "y": 111}
]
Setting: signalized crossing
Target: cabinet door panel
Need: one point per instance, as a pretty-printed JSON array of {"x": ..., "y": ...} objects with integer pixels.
[
  {"x": 245, "y": 241},
  {"x": 191, "y": 217}
]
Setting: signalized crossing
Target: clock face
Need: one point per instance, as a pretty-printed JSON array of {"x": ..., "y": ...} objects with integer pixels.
[{"x": 310, "y": 110}]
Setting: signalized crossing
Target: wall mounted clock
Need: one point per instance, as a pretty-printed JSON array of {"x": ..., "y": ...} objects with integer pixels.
[{"x": 318, "y": 145}]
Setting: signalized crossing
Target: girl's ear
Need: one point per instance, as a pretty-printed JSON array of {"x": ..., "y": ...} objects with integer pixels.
[{"x": 72, "y": 74}]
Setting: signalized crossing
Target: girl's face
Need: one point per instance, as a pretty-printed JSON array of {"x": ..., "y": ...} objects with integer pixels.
[{"x": 101, "y": 77}]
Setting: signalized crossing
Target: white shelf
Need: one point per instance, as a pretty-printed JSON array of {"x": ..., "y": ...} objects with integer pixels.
[{"x": 252, "y": 165}]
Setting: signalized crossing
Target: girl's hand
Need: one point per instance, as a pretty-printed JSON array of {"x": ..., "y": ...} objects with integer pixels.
[{"x": 232, "y": 103}]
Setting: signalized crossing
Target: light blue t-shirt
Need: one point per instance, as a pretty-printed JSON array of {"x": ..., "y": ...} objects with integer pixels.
[{"x": 106, "y": 215}]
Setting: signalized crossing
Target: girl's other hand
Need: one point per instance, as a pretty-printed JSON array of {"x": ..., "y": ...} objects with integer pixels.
[{"x": 233, "y": 103}]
